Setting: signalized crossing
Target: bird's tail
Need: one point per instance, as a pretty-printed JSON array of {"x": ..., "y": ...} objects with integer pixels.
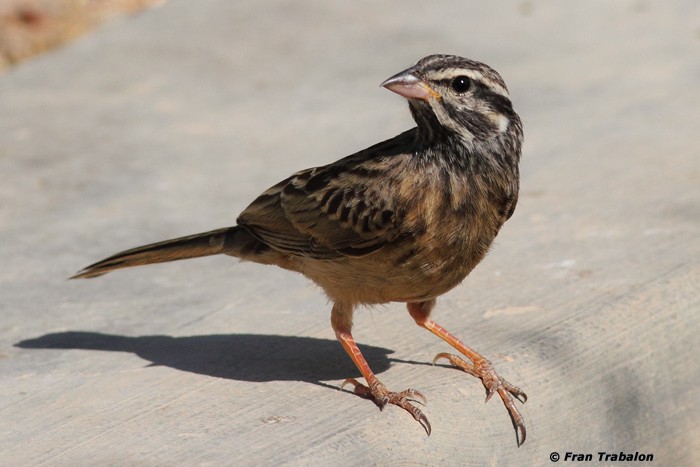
[{"x": 228, "y": 240}]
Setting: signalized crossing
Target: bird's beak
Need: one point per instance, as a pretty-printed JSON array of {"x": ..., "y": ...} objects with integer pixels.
[{"x": 408, "y": 85}]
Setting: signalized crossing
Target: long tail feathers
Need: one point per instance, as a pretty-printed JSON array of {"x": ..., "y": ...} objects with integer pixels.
[{"x": 193, "y": 246}]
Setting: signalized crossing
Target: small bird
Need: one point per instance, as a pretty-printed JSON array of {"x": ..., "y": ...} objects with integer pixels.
[{"x": 405, "y": 220}]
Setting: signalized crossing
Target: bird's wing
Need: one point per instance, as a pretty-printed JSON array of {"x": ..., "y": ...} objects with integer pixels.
[{"x": 342, "y": 209}]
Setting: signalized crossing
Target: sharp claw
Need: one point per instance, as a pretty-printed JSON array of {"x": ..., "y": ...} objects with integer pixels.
[
  {"x": 439, "y": 356},
  {"x": 415, "y": 396},
  {"x": 494, "y": 384},
  {"x": 520, "y": 434},
  {"x": 514, "y": 391},
  {"x": 423, "y": 420},
  {"x": 518, "y": 394},
  {"x": 352, "y": 381},
  {"x": 362, "y": 391},
  {"x": 418, "y": 415},
  {"x": 381, "y": 397},
  {"x": 515, "y": 417}
]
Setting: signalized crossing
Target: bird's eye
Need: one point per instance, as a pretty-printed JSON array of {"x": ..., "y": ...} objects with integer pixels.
[{"x": 461, "y": 84}]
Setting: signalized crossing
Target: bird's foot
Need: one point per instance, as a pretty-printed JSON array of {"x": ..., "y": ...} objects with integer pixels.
[
  {"x": 493, "y": 383},
  {"x": 381, "y": 396}
]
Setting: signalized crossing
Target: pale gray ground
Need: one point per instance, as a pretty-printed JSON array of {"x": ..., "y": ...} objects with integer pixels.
[{"x": 170, "y": 123}]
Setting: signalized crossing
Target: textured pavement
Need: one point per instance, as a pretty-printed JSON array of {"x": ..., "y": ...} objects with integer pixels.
[{"x": 171, "y": 122}]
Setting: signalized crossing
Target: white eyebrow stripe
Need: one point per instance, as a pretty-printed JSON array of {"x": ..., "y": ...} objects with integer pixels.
[{"x": 449, "y": 73}]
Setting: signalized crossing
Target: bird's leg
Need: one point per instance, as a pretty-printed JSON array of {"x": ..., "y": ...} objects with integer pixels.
[
  {"x": 479, "y": 366},
  {"x": 341, "y": 320}
]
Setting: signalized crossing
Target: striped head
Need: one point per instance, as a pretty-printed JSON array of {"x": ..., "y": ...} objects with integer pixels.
[{"x": 454, "y": 96}]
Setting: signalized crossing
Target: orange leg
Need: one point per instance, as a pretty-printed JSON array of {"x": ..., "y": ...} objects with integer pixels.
[
  {"x": 479, "y": 366},
  {"x": 341, "y": 320}
]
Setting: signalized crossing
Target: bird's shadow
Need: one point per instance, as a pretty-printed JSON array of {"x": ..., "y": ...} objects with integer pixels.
[{"x": 242, "y": 357}]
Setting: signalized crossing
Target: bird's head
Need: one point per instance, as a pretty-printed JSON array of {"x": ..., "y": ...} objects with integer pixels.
[{"x": 450, "y": 95}]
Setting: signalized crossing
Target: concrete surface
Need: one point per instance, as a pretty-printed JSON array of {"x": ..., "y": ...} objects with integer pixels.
[
  {"x": 171, "y": 122},
  {"x": 31, "y": 27}
]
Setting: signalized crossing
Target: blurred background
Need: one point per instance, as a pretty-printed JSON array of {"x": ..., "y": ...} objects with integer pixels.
[{"x": 30, "y": 27}]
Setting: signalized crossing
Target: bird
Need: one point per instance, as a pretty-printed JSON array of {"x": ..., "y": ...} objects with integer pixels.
[{"x": 405, "y": 220}]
